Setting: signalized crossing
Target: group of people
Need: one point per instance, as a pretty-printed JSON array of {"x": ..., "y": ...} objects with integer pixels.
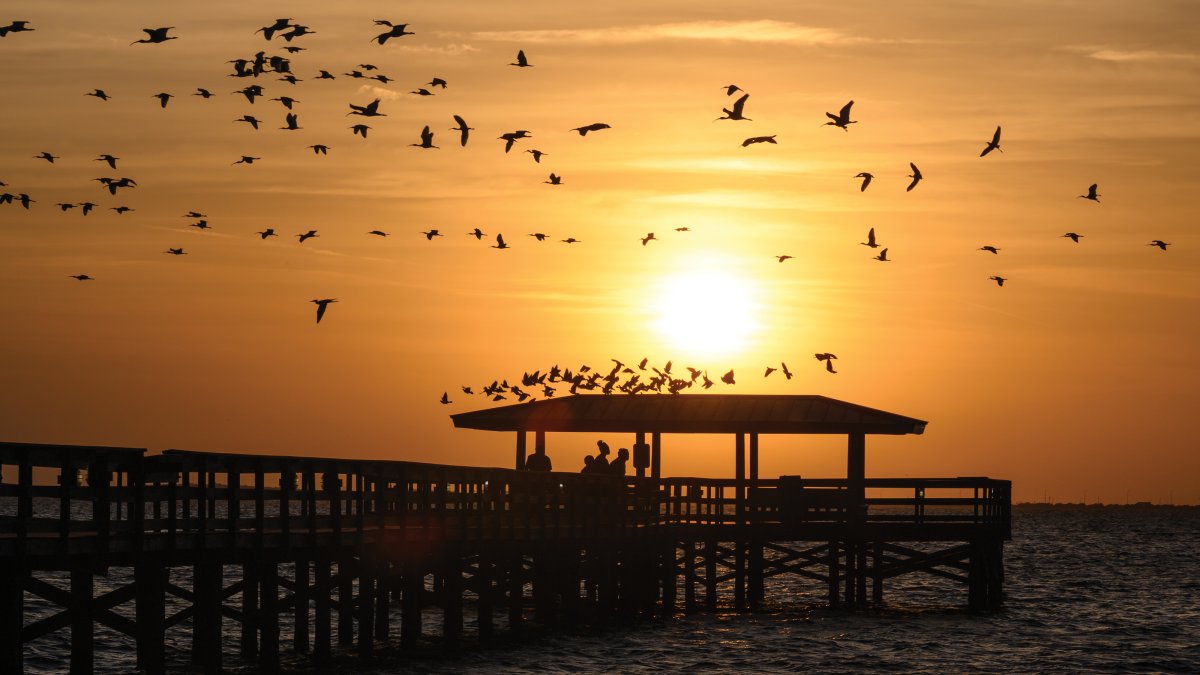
[{"x": 600, "y": 464}]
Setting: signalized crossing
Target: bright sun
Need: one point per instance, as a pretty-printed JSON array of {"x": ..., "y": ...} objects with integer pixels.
[{"x": 706, "y": 314}]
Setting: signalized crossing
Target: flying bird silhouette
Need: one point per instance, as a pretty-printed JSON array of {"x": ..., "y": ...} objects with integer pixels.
[
  {"x": 307, "y": 235},
  {"x": 537, "y": 155},
  {"x": 81, "y": 277},
  {"x": 594, "y": 126},
  {"x": 731, "y": 88},
  {"x": 155, "y": 36},
  {"x": 1091, "y": 194},
  {"x": 539, "y": 236},
  {"x": 98, "y": 93},
  {"x": 422, "y": 92},
  {"x": 319, "y": 149},
  {"x": 15, "y": 27},
  {"x": 378, "y": 233},
  {"x": 1073, "y": 236},
  {"x": 47, "y": 156},
  {"x": 426, "y": 139},
  {"x": 109, "y": 159},
  {"x": 736, "y": 112},
  {"x": 249, "y": 119},
  {"x": 1159, "y": 243},
  {"x": 866, "y": 180},
  {"x": 842, "y": 119},
  {"x": 279, "y": 25},
  {"x": 321, "y": 305},
  {"x": 437, "y": 82},
  {"x": 369, "y": 110},
  {"x": 500, "y": 242},
  {"x": 269, "y": 232},
  {"x": 395, "y": 30},
  {"x": 360, "y": 129},
  {"x": 781, "y": 258},
  {"x": 882, "y": 257},
  {"x": 445, "y": 398},
  {"x": 522, "y": 62},
  {"x": 784, "y": 369},
  {"x": 163, "y": 97},
  {"x": 175, "y": 251},
  {"x": 203, "y": 93},
  {"x": 291, "y": 122},
  {"x": 554, "y": 179},
  {"x": 759, "y": 139},
  {"x": 727, "y": 378},
  {"x": 999, "y": 280},
  {"x": 994, "y": 144},
  {"x": 915, "y": 176},
  {"x": 990, "y": 249},
  {"x": 870, "y": 239},
  {"x": 247, "y": 159},
  {"x": 431, "y": 234},
  {"x": 286, "y": 101},
  {"x": 463, "y": 129},
  {"x": 648, "y": 238}
]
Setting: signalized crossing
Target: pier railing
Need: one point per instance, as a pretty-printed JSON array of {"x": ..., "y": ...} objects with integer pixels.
[{"x": 57, "y": 501}]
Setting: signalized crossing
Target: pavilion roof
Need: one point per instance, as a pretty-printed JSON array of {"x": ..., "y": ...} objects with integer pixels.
[{"x": 691, "y": 414}]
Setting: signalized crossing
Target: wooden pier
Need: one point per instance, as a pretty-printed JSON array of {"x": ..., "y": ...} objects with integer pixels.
[{"x": 314, "y": 555}]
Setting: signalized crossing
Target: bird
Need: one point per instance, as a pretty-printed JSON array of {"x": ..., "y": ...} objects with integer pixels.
[
  {"x": 522, "y": 62},
  {"x": 648, "y": 238},
  {"x": 727, "y": 378},
  {"x": 155, "y": 36},
  {"x": 736, "y": 112},
  {"x": 269, "y": 232},
  {"x": 431, "y": 234},
  {"x": 759, "y": 139},
  {"x": 369, "y": 110},
  {"x": 990, "y": 249},
  {"x": 326, "y": 75},
  {"x": 247, "y": 159},
  {"x": 870, "y": 239},
  {"x": 1159, "y": 243},
  {"x": 26, "y": 201},
  {"x": 683, "y": 229},
  {"x": 86, "y": 207},
  {"x": 81, "y": 277},
  {"x": 395, "y": 30},
  {"x": 770, "y": 369},
  {"x": 292, "y": 122},
  {"x": 109, "y": 159},
  {"x": 249, "y": 119},
  {"x": 999, "y": 280},
  {"x": 252, "y": 92},
  {"x": 731, "y": 88},
  {"x": 279, "y": 25},
  {"x": 572, "y": 240},
  {"x": 194, "y": 214},
  {"x": 915, "y": 176},
  {"x": 202, "y": 225},
  {"x": 537, "y": 155},
  {"x": 360, "y": 129},
  {"x": 437, "y": 82},
  {"x": 1073, "y": 236},
  {"x": 65, "y": 206},
  {"x": 512, "y": 137},
  {"x": 15, "y": 27},
  {"x": 307, "y": 235},
  {"x": 319, "y": 149},
  {"x": 594, "y": 126},
  {"x": 286, "y": 101},
  {"x": 378, "y": 233},
  {"x": 500, "y": 242},
  {"x": 994, "y": 144},
  {"x": 297, "y": 31},
  {"x": 882, "y": 257},
  {"x": 477, "y": 233},
  {"x": 842, "y": 119},
  {"x": 422, "y": 92},
  {"x": 175, "y": 251},
  {"x": 321, "y": 305},
  {"x": 784, "y": 369},
  {"x": 866, "y": 180},
  {"x": 554, "y": 179},
  {"x": 163, "y": 97},
  {"x": 426, "y": 139},
  {"x": 203, "y": 93},
  {"x": 463, "y": 129},
  {"x": 290, "y": 79},
  {"x": 1091, "y": 194},
  {"x": 98, "y": 93},
  {"x": 539, "y": 236},
  {"x": 121, "y": 210},
  {"x": 47, "y": 156},
  {"x": 445, "y": 398},
  {"x": 781, "y": 258}
]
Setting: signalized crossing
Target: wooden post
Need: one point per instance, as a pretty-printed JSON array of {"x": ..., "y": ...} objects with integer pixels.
[
  {"x": 249, "y": 642},
  {"x": 639, "y": 441},
  {"x": 206, "y": 623},
  {"x": 81, "y": 605},
  {"x": 834, "y": 582},
  {"x": 666, "y": 563},
  {"x": 12, "y": 613},
  {"x": 300, "y": 633},
  {"x": 366, "y": 606},
  {"x": 521, "y": 451},
  {"x": 452, "y": 592},
  {"x": 877, "y": 575},
  {"x": 345, "y": 601},
  {"x": 411, "y": 600},
  {"x": 689, "y": 576},
  {"x": 150, "y": 585},
  {"x": 739, "y": 543},
  {"x": 268, "y": 616},
  {"x": 323, "y": 596},
  {"x": 710, "y": 574},
  {"x": 856, "y": 463},
  {"x": 516, "y": 590},
  {"x": 484, "y": 585},
  {"x": 656, "y": 455},
  {"x": 754, "y": 456},
  {"x": 383, "y": 600}
]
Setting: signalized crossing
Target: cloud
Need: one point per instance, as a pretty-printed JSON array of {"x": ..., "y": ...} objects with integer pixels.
[
  {"x": 763, "y": 30},
  {"x": 379, "y": 92},
  {"x": 1141, "y": 56},
  {"x": 449, "y": 49}
]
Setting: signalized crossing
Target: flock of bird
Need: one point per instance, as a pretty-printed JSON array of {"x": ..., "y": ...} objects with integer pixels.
[{"x": 583, "y": 378}]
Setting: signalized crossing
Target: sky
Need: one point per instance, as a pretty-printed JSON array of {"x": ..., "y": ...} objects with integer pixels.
[{"x": 1075, "y": 379}]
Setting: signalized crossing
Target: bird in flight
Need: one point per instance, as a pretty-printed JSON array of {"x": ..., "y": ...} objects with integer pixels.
[
  {"x": 360, "y": 129},
  {"x": 426, "y": 139},
  {"x": 437, "y": 82},
  {"x": 155, "y": 36},
  {"x": 431, "y": 234},
  {"x": 252, "y": 92},
  {"x": 866, "y": 180},
  {"x": 86, "y": 207},
  {"x": 572, "y": 240},
  {"x": 539, "y": 236},
  {"x": 269, "y": 232},
  {"x": 307, "y": 235},
  {"x": 870, "y": 239},
  {"x": 994, "y": 144},
  {"x": 784, "y": 369},
  {"x": 462, "y": 128},
  {"x": 369, "y": 110},
  {"x": 736, "y": 113},
  {"x": 378, "y": 233},
  {"x": 999, "y": 280},
  {"x": 47, "y": 156},
  {"x": 731, "y": 88},
  {"x": 1073, "y": 236},
  {"x": 394, "y": 30},
  {"x": 319, "y": 149},
  {"x": 15, "y": 27},
  {"x": 882, "y": 257},
  {"x": 727, "y": 378},
  {"x": 422, "y": 92},
  {"x": 1091, "y": 194},
  {"x": 279, "y": 25},
  {"x": 477, "y": 233},
  {"x": 648, "y": 238},
  {"x": 326, "y": 75},
  {"x": 321, "y": 305},
  {"x": 98, "y": 93},
  {"x": 194, "y": 214},
  {"x": 81, "y": 277},
  {"x": 445, "y": 399},
  {"x": 990, "y": 249},
  {"x": 594, "y": 126},
  {"x": 1159, "y": 243},
  {"x": 522, "y": 62},
  {"x": 109, "y": 159},
  {"x": 828, "y": 359},
  {"x": 915, "y": 176},
  {"x": 759, "y": 139},
  {"x": 537, "y": 155},
  {"x": 249, "y": 119},
  {"x": 203, "y": 93},
  {"x": 287, "y": 101},
  {"x": 201, "y": 225},
  {"x": 842, "y": 119},
  {"x": 121, "y": 210},
  {"x": 292, "y": 122},
  {"x": 554, "y": 179},
  {"x": 500, "y": 242},
  {"x": 247, "y": 159},
  {"x": 781, "y": 258},
  {"x": 163, "y": 97},
  {"x": 512, "y": 137},
  {"x": 175, "y": 251}
]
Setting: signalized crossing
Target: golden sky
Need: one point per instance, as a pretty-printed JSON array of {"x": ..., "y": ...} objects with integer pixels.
[{"x": 1077, "y": 377}]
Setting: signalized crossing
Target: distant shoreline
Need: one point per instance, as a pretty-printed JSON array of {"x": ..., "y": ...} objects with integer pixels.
[{"x": 1098, "y": 505}]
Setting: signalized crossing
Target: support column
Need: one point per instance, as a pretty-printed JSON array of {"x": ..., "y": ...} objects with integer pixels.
[
  {"x": 83, "y": 651},
  {"x": 249, "y": 644},
  {"x": 300, "y": 634},
  {"x": 484, "y": 586},
  {"x": 655, "y": 455},
  {"x": 521, "y": 441},
  {"x": 323, "y": 601},
  {"x": 150, "y": 584},
  {"x": 413, "y": 587},
  {"x": 12, "y": 617},
  {"x": 268, "y": 617},
  {"x": 383, "y": 600},
  {"x": 345, "y": 601},
  {"x": 366, "y": 607},
  {"x": 207, "y": 589},
  {"x": 452, "y": 600}
]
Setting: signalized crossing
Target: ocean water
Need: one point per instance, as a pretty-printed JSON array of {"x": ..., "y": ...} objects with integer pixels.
[{"x": 1087, "y": 590}]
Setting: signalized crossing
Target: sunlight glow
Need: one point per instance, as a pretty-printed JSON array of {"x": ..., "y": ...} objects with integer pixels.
[{"x": 706, "y": 314}]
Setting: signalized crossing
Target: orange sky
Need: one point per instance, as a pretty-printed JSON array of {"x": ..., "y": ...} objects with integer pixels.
[{"x": 1077, "y": 377}]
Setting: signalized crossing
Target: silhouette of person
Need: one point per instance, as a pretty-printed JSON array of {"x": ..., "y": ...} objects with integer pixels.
[
  {"x": 600, "y": 463},
  {"x": 538, "y": 462},
  {"x": 617, "y": 467},
  {"x": 589, "y": 465}
]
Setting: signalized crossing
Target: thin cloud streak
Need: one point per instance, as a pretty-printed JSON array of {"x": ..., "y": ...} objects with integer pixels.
[{"x": 761, "y": 31}]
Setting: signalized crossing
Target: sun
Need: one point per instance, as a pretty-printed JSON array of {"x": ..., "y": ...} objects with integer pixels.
[{"x": 706, "y": 314}]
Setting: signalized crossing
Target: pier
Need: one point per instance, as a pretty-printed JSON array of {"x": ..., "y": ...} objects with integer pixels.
[{"x": 353, "y": 553}]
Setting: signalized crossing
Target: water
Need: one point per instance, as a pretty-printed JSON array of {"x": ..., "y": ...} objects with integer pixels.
[{"x": 1109, "y": 590}]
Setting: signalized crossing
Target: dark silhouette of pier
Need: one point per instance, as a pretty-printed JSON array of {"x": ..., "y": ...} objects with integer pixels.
[{"x": 348, "y": 543}]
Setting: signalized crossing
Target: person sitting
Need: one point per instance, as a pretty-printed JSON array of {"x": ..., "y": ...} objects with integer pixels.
[
  {"x": 601, "y": 461},
  {"x": 617, "y": 467},
  {"x": 538, "y": 462},
  {"x": 589, "y": 464}
]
